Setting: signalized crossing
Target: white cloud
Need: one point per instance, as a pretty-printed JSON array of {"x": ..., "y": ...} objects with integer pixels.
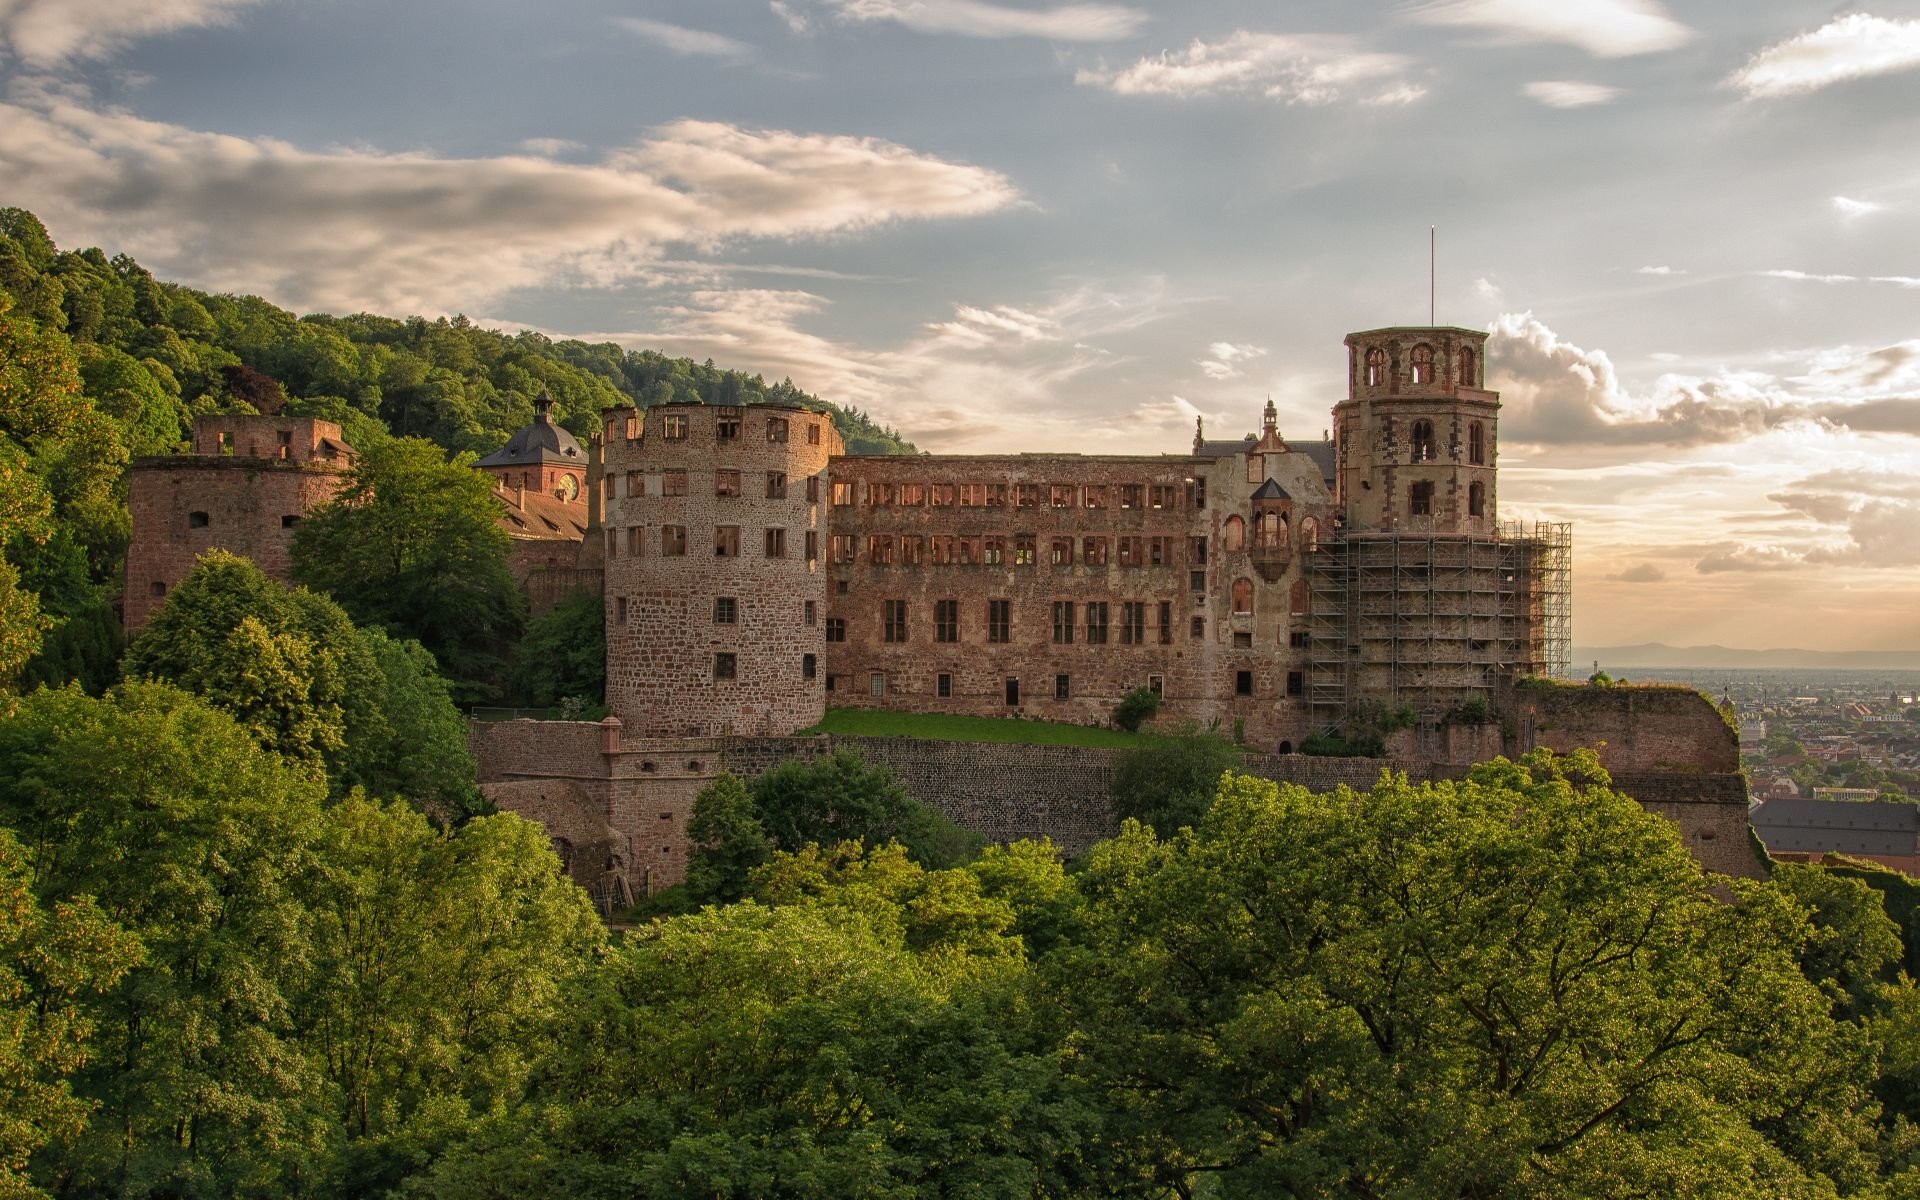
[
  {"x": 1850, "y": 47},
  {"x": 1224, "y": 359},
  {"x": 550, "y": 147},
  {"x": 301, "y": 226},
  {"x": 796, "y": 21},
  {"x": 1805, "y": 277},
  {"x": 47, "y": 33},
  {"x": 977, "y": 18},
  {"x": 1854, "y": 208},
  {"x": 1603, "y": 28},
  {"x": 1294, "y": 68},
  {"x": 1568, "y": 93},
  {"x": 688, "y": 43},
  {"x": 1487, "y": 289},
  {"x": 1657, "y": 271}
]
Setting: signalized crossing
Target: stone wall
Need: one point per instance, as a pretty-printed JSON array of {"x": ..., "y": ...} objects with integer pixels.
[
  {"x": 1640, "y": 728},
  {"x": 1710, "y": 811}
]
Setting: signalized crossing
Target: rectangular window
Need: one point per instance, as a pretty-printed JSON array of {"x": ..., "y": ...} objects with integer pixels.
[
  {"x": 813, "y": 433},
  {"x": 1161, "y": 495},
  {"x": 1063, "y": 552},
  {"x": 1094, "y": 495},
  {"x": 994, "y": 552},
  {"x": 1166, "y": 622},
  {"x": 940, "y": 495},
  {"x": 1243, "y": 683},
  {"x": 879, "y": 495},
  {"x": 996, "y": 495},
  {"x": 1093, "y": 551},
  {"x": 880, "y": 549},
  {"x": 1157, "y": 684},
  {"x": 673, "y": 427},
  {"x": 673, "y": 540},
  {"x": 633, "y": 428},
  {"x": 843, "y": 547},
  {"x": 636, "y": 485},
  {"x": 842, "y": 494},
  {"x": 1296, "y": 683},
  {"x": 946, "y": 620},
  {"x": 893, "y": 620},
  {"x": 1000, "y": 621},
  {"x": 1132, "y": 552},
  {"x": 1026, "y": 495},
  {"x": 776, "y": 485},
  {"x": 620, "y": 610},
  {"x": 197, "y": 520},
  {"x": 1197, "y": 580},
  {"x": 943, "y": 686},
  {"x": 809, "y": 614},
  {"x": 1297, "y": 639},
  {"x": 1243, "y": 640},
  {"x": 876, "y": 685},
  {"x": 1097, "y": 623},
  {"x": 636, "y": 537},
  {"x": 1199, "y": 629},
  {"x": 1199, "y": 492},
  {"x": 726, "y": 541},
  {"x": 913, "y": 495},
  {"x": 1062, "y": 687},
  {"x": 726, "y": 483},
  {"x": 723, "y": 665},
  {"x": 813, "y": 489},
  {"x": 727, "y": 428},
  {"x": 1063, "y": 622},
  {"x": 1160, "y": 552},
  {"x": 836, "y": 629},
  {"x": 973, "y": 495},
  {"x": 966, "y": 551},
  {"x": 1254, "y": 468},
  {"x": 940, "y": 550},
  {"x": 776, "y": 543},
  {"x": 1197, "y": 551},
  {"x": 1133, "y": 623},
  {"x": 1060, "y": 495},
  {"x": 1023, "y": 551},
  {"x": 726, "y": 610},
  {"x": 777, "y": 431},
  {"x": 1129, "y": 495},
  {"x": 807, "y": 667},
  {"x": 813, "y": 545},
  {"x": 913, "y": 550},
  {"x": 673, "y": 483}
]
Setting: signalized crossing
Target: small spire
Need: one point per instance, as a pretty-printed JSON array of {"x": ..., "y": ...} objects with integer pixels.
[
  {"x": 1270, "y": 418},
  {"x": 1199, "y": 433},
  {"x": 543, "y": 404}
]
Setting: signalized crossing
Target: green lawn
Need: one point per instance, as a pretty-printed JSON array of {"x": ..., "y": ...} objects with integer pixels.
[{"x": 868, "y": 722}]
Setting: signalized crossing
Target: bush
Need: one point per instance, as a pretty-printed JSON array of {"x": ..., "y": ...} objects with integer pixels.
[
  {"x": 1136, "y": 708},
  {"x": 1168, "y": 782}
]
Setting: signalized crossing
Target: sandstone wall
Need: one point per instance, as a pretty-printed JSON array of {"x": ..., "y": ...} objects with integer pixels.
[{"x": 1635, "y": 728}]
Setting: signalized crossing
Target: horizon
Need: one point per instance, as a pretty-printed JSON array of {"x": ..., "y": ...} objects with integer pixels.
[{"x": 1005, "y": 227}]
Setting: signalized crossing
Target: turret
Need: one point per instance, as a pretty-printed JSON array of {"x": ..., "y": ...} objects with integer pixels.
[{"x": 1416, "y": 433}]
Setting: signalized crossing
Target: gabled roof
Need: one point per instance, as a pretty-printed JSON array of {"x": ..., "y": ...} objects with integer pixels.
[
  {"x": 536, "y": 516},
  {"x": 1271, "y": 490},
  {"x": 1842, "y": 826},
  {"x": 1218, "y": 449}
]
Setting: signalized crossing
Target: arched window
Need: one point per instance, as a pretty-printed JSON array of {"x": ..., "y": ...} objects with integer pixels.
[
  {"x": 1477, "y": 500},
  {"x": 1234, "y": 535},
  {"x": 1422, "y": 440},
  {"x": 1420, "y": 499},
  {"x": 1476, "y": 444},
  {"x": 1298, "y": 598},
  {"x": 1376, "y": 366},
  {"x": 1309, "y": 534},
  {"x": 1423, "y": 364},
  {"x": 1242, "y": 596},
  {"x": 1467, "y": 378}
]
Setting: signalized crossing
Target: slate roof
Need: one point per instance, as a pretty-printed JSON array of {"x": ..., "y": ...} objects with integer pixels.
[
  {"x": 540, "y": 443},
  {"x": 1837, "y": 826},
  {"x": 1211, "y": 448},
  {"x": 1271, "y": 490}
]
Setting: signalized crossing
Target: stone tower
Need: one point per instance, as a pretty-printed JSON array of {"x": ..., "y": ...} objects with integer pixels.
[
  {"x": 1416, "y": 433},
  {"x": 715, "y": 593}
]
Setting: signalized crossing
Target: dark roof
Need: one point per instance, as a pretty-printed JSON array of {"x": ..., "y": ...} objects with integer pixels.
[
  {"x": 1271, "y": 490},
  {"x": 1208, "y": 448},
  {"x": 539, "y": 443},
  {"x": 1321, "y": 453},
  {"x": 1837, "y": 826}
]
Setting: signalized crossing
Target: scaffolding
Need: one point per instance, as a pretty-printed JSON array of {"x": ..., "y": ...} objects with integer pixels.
[{"x": 1432, "y": 621}]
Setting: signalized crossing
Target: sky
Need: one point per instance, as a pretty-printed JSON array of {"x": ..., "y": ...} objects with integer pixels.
[{"x": 1692, "y": 229}]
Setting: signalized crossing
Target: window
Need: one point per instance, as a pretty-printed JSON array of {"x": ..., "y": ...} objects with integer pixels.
[
  {"x": 1297, "y": 598},
  {"x": 1000, "y": 621},
  {"x": 996, "y": 495},
  {"x": 776, "y": 543},
  {"x": 1296, "y": 683},
  {"x": 673, "y": 483},
  {"x": 876, "y": 684},
  {"x": 727, "y": 428},
  {"x": 1199, "y": 628},
  {"x": 809, "y": 613},
  {"x": 843, "y": 547},
  {"x": 912, "y": 495},
  {"x": 1197, "y": 550},
  {"x": 813, "y": 433},
  {"x": 1060, "y": 495},
  {"x": 289, "y": 521},
  {"x": 1420, "y": 499},
  {"x": 946, "y": 620},
  {"x": 880, "y": 549},
  {"x": 1422, "y": 441},
  {"x": 813, "y": 545},
  {"x": 1095, "y": 495},
  {"x": 633, "y": 428},
  {"x": 1013, "y": 692},
  {"x": 197, "y": 520},
  {"x": 1161, "y": 495},
  {"x": 636, "y": 485},
  {"x": 913, "y": 549},
  {"x": 1130, "y": 495},
  {"x": 1243, "y": 683},
  {"x": 813, "y": 489},
  {"x": 776, "y": 429},
  {"x": 1063, "y": 552},
  {"x": 1097, "y": 623},
  {"x": 1477, "y": 443},
  {"x": 726, "y": 483},
  {"x": 994, "y": 552},
  {"x": 673, "y": 540},
  {"x": 1197, "y": 580},
  {"x": 836, "y": 629},
  {"x": 1093, "y": 551},
  {"x": 940, "y": 495},
  {"x": 1233, "y": 535},
  {"x": 726, "y": 610},
  {"x": 673, "y": 427},
  {"x": 226, "y": 442},
  {"x": 636, "y": 539},
  {"x": 1063, "y": 622},
  {"x": 879, "y": 495},
  {"x": 723, "y": 666},
  {"x": 1023, "y": 550},
  {"x": 893, "y": 617},
  {"x": 1242, "y": 597},
  {"x": 807, "y": 666},
  {"x": 1198, "y": 490},
  {"x": 842, "y": 494},
  {"x": 1026, "y": 495},
  {"x": 1157, "y": 684},
  {"x": 1062, "y": 687},
  {"x": 1376, "y": 366},
  {"x": 940, "y": 550},
  {"x": 1309, "y": 534},
  {"x": 1297, "y": 639},
  {"x": 1133, "y": 551},
  {"x": 1467, "y": 378},
  {"x": 973, "y": 495},
  {"x": 776, "y": 485},
  {"x": 619, "y": 607},
  {"x": 1477, "y": 500},
  {"x": 1423, "y": 364},
  {"x": 1166, "y": 622},
  {"x": 943, "y": 686},
  {"x": 1133, "y": 623},
  {"x": 1255, "y": 469},
  {"x": 1243, "y": 641},
  {"x": 1159, "y": 551},
  {"x": 966, "y": 551},
  {"x": 726, "y": 541}
]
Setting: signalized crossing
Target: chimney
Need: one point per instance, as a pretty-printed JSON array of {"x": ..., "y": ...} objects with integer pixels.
[{"x": 520, "y": 497}]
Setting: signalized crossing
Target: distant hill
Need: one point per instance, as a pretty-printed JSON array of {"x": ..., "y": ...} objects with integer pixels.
[{"x": 1660, "y": 655}]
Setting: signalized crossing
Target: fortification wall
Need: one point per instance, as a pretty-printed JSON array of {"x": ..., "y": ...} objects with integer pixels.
[
  {"x": 1634, "y": 728},
  {"x": 1711, "y": 812}
]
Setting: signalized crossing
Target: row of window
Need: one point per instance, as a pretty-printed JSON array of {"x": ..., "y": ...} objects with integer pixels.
[
  {"x": 727, "y": 482},
  {"x": 1423, "y": 448},
  {"x": 882, "y": 494},
  {"x": 1420, "y": 499},
  {"x": 1421, "y": 366},
  {"x": 201, "y": 520},
  {"x": 672, "y": 542},
  {"x": 1020, "y": 550},
  {"x": 1062, "y": 684},
  {"x": 728, "y": 427}
]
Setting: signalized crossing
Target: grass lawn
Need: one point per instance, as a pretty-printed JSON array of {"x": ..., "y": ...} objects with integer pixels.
[{"x": 868, "y": 722}]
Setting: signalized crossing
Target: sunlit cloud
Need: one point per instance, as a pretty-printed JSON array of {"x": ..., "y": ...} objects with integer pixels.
[
  {"x": 1854, "y": 208},
  {"x": 1566, "y": 93},
  {"x": 1851, "y": 47},
  {"x": 688, "y": 43},
  {"x": 1291, "y": 68},
  {"x": 47, "y": 33},
  {"x": 977, "y": 18},
  {"x": 1603, "y": 28}
]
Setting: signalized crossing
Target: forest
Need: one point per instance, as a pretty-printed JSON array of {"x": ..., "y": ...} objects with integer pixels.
[{"x": 261, "y": 935}]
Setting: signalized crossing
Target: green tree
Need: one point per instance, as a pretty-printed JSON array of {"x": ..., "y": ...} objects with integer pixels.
[
  {"x": 840, "y": 798},
  {"x": 1168, "y": 782},
  {"x": 728, "y": 843},
  {"x": 564, "y": 653},
  {"x": 40, "y": 401},
  {"x": 411, "y": 545},
  {"x": 417, "y": 750}
]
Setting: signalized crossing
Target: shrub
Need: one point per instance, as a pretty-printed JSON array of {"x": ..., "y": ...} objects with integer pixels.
[{"x": 1136, "y": 708}]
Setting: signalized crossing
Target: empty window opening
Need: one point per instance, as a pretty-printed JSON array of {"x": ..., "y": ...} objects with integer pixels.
[
  {"x": 1420, "y": 499},
  {"x": 808, "y": 666},
  {"x": 836, "y": 629},
  {"x": 1063, "y": 622},
  {"x": 1422, "y": 364},
  {"x": 723, "y": 665},
  {"x": 1013, "y": 692},
  {"x": 726, "y": 483},
  {"x": 776, "y": 485},
  {"x": 726, "y": 541},
  {"x": 1243, "y": 683},
  {"x": 776, "y": 543},
  {"x": 776, "y": 429},
  {"x": 1166, "y": 622},
  {"x": 1422, "y": 441},
  {"x": 1097, "y": 623},
  {"x": 1477, "y": 444},
  {"x": 1477, "y": 500},
  {"x": 1133, "y": 623},
  {"x": 1376, "y": 366},
  {"x": 727, "y": 428},
  {"x": 1157, "y": 684},
  {"x": 673, "y": 540},
  {"x": 673, "y": 427},
  {"x": 1198, "y": 628},
  {"x": 1296, "y": 683},
  {"x": 1242, "y": 597},
  {"x": 620, "y": 610},
  {"x": 1467, "y": 378},
  {"x": 197, "y": 520},
  {"x": 289, "y": 521},
  {"x": 1233, "y": 535}
]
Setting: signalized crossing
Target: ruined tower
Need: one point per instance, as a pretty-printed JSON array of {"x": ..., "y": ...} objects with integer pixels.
[{"x": 1416, "y": 433}]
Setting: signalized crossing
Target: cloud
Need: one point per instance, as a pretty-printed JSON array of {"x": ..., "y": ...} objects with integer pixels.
[
  {"x": 48, "y": 33},
  {"x": 1294, "y": 68},
  {"x": 1748, "y": 557},
  {"x": 1905, "y": 281},
  {"x": 796, "y": 21},
  {"x": 1223, "y": 359},
  {"x": 1851, "y": 47},
  {"x": 688, "y": 43},
  {"x": 1657, "y": 271},
  {"x": 1567, "y": 93},
  {"x": 1855, "y": 208},
  {"x": 1641, "y": 573},
  {"x": 261, "y": 215},
  {"x": 1603, "y": 28},
  {"x": 977, "y": 18},
  {"x": 550, "y": 147}
]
